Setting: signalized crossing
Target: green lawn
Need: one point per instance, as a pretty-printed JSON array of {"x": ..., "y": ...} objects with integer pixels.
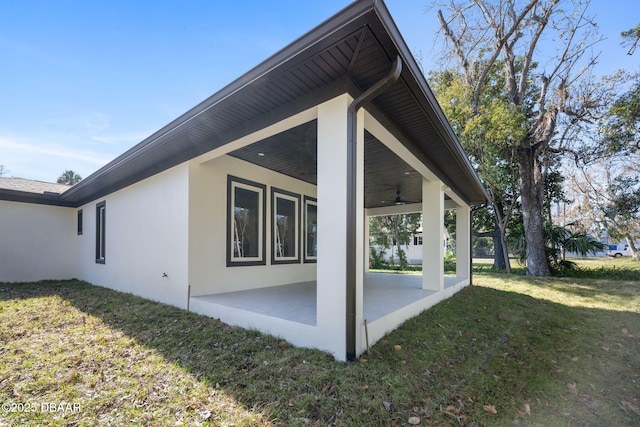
[{"x": 509, "y": 350}]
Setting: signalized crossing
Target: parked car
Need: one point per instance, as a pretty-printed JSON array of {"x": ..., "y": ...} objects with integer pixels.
[{"x": 618, "y": 251}]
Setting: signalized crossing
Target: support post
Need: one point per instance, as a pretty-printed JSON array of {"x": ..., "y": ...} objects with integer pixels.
[
  {"x": 463, "y": 242},
  {"x": 432, "y": 235}
]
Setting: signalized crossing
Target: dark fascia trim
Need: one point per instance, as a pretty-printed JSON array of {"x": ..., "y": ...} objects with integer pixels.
[
  {"x": 298, "y": 49},
  {"x": 433, "y": 111},
  {"x": 263, "y": 188},
  {"x": 51, "y": 199},
  {"x": 274, "y": 192},
  {"x": 417, "y": 152},
  {"x": 325, "y": 93}
]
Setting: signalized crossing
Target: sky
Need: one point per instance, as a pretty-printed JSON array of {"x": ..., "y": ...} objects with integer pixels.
[{"x": 83, "y": 81}]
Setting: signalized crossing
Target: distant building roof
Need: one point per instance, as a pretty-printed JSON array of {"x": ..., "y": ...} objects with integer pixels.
[
  {"x": 30, "y": 191},
  {"x": 31, "y": 186}
]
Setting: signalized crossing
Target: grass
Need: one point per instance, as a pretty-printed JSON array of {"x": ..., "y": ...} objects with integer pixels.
[{"x": 510, "y": 350}]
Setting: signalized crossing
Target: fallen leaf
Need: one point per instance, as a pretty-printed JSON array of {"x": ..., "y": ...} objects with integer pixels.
[
  {"x": 628, "y": 406},
  {"x": 387, "y": 405},
  {"x": 490, "y": 409},
  {"x": 397, "y": 347},
  {"x": 414, "y": 420},
  {"x": 527, "y": 409},
  {"x": 362, "y": 360},
  {"x": 625, "y": 331},
  {"x": 521, "y": 413},
  {"x": 572, "y": 388},
  {"x": 605, "y": 348}
]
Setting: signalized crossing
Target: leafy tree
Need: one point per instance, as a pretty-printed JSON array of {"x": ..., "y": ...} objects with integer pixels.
[
  {"x": 393, "y": 230},
  {"x": 3, "y": 170},
  {"x": 541, "y": 102},
  {"x": 622, "y": 213},
  {"x": 487, "y": 137},
  {"x": 620, "y": 127},
  {"x": 69, "y": 177}
]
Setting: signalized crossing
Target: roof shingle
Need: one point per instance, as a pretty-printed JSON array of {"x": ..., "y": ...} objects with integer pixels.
[{"x": 31, "y": 186}]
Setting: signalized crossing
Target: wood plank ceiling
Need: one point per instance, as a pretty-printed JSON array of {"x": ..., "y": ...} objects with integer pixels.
[{"x": 294, "y": 153}]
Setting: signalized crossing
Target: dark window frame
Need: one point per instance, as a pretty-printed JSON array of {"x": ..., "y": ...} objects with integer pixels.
[
  {"x": 314, "y": 201},
  {"x": 262, "y": 234},
  {"x": 101, "y": 232},
  {"x": 80, "y": 222},
  {"x": 275, "y": 192}
]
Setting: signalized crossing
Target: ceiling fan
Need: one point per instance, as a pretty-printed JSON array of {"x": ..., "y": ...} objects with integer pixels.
[{"x": 400, "y": 201}]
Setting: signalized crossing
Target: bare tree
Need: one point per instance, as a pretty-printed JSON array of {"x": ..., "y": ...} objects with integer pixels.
[
  {"x": 608, "y": 197},
  {"x": 552, "y": 92},
  {"x": 3, "y": 170}
]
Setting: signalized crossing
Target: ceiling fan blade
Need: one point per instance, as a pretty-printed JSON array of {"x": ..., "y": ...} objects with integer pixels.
[{"x": 400, "y": 201}]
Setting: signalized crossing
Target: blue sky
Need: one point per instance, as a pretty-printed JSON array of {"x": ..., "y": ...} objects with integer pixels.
[{"x": 83, "y": 81}]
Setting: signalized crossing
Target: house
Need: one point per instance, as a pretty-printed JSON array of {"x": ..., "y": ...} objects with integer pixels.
[
  {"x": 412, "y": 248},
  {"x": 252, "y": 206}
]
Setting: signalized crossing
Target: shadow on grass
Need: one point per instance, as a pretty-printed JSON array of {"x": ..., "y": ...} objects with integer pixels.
[
  {"x": 594, "y": 289},
  {"x": 428, "y": 367}
]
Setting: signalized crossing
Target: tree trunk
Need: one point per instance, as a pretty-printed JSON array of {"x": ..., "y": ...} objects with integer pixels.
[
  {"x": 632, "y": 248},
  {"x": 531, "y": 196},
  {"x": 498, "y": 253}
]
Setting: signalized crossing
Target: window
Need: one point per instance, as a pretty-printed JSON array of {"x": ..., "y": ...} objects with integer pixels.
[
  {"x": 101, "y": 221},
  {"x": 310, "y": 229},
  {"x": 417, "y": 240},
  {"x": 285, "y": 236},
  {"x": 245, "y": 222},
  {"x": 80, "y": 222}
]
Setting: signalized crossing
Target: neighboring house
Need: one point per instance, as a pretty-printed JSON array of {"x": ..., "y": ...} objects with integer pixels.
[
  {"x": 413, "y": 249},
  {"x": 252, "y": 207}
]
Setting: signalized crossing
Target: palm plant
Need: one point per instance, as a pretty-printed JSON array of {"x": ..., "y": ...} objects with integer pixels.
[{"x": 558, "y": 241}]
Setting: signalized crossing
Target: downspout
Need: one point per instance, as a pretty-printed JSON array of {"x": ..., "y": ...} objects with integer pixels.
[
  {"x": 352, "y": 135},
  {"x": 470, "y": 246}
]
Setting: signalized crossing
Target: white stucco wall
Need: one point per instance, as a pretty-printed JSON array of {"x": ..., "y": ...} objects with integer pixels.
[
  {"x": 36, "y": 242},
  {"x": 146, "y": 238},
  {"x": 208, "y": 271}
]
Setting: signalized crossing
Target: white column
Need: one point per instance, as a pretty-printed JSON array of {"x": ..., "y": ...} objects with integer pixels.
[
  {"x": 463, "y": 242},
  {"x": 332, "y": 205},
  {"x": 432, "y": 235},
  {"x": 365, "y": 243}
]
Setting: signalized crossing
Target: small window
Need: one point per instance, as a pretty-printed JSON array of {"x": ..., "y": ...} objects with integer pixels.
[
  {"x": 80, "y": 222},
  {"x": 285, "y": 235},
  {"x": 310, "y": 229},
  {"x": 245, "y": 222},
  {"x": 101, "y": 224},
  {"x": 417, "y": 240}
]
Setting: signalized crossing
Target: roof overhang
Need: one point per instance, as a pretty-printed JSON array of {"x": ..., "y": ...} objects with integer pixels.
[
  {"x": 345, "y": 54},
  {"x": 46, "y": 198}
]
